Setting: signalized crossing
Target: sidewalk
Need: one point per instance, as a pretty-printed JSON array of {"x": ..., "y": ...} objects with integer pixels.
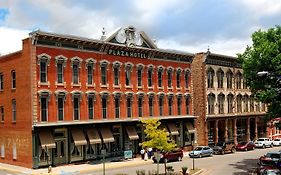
[{"x": 75, "y": 169}]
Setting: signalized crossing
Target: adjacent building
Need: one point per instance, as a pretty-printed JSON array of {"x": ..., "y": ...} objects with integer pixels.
[
  {"x": 226, "y": 108},
  {"x": 65, "y": 98}
]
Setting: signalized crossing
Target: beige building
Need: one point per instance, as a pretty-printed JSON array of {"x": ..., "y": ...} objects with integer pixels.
[{"x": 226, "y": 108}]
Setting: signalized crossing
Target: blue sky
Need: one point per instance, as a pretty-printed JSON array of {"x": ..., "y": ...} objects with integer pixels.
[{"x": 187, "y": 25}]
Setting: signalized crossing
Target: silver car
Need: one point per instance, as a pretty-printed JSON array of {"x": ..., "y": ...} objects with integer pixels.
[{"x": 201, "y": 151}]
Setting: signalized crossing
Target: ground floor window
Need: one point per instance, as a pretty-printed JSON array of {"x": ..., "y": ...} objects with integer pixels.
[
  {"x": 76, "y": 151},
  {"x": 44, "y": 156}
]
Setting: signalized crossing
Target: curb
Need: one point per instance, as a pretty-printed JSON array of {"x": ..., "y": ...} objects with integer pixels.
[
  {"x": 113, "y": 166},
  {"x": 14, "y": 171},
  {"x": 199, "y": 172}
]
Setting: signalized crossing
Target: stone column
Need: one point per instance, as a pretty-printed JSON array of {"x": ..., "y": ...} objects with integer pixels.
[
  {"x": 256, "y": 128},
  {"x": 216, "y": 131},
  {"x": 226, "y": 130},
  {"x": 235, "y": 131},
  {"x": 248, "y": 129}
]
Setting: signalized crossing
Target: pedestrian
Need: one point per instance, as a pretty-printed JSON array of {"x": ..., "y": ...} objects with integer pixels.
[
  {"x": 149, "y": 153},
  {"x": 142, "y": 153},
  {"x": 145, "y": 155}
]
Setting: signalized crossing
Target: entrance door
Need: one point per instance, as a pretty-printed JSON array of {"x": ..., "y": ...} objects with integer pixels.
[{"x": 60, "y": 152}]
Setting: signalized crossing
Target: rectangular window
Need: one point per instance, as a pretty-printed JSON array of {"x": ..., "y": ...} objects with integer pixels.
[
  {"x": 91, "y": 107},
  {"x": 160, "y": 79},
  {"x": 103, "y": 75},
  {"x": 161, "y": 106},
  {"x": 15, "y": 151},
  {"x": 2, "y": 150},
  {"x": 186, "y": 78},
  {"x": 43, "y": 72},
  {"x": 14, "y": 116},
  {"x": 187, "y": 103},
  {"x": 128, "y": 77},
  {"x": 60, "y": 108},
  {"x": 104, "y": 108},
  {"x": 178, "y": 79},
  {"x": 129, "y": 107},
  {"x": 117, "y": 108},
  {"x": 90, "y": 74},
  {"x": 150, "y": 103},
  {"x": 2, "y": 113},
  {"x": 116, "y": 76},
  {"x": 169, "y": 79},
  {"x": 179, "y": 106},
  {"x": 170, "y": 106},
  {"x": 76, "y": 108},
  {"x": 60, "y": 72},
  {"x": 1, "y": 82},
  {"x": 13, "y": 79},
  {"x": 44, "y": 109},
  {"x": 140, "y": 104},
  {"x": 75, "y": 75},
  {"x": 139, "y": 77},
  {"x": 149, "y": 76}
]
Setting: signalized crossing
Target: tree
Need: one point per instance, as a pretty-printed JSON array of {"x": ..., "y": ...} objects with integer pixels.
[
  {"x": 156, "y": 137},
  {"x": 264, "y": 55}
]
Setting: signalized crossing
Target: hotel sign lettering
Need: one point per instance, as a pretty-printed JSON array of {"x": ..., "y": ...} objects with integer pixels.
[{"x": 125, "y": 53}]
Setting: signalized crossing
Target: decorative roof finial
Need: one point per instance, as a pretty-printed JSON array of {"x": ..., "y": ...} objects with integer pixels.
[
  {"x": 103, "y": 36},
  {"x": 208, "y": 50}
]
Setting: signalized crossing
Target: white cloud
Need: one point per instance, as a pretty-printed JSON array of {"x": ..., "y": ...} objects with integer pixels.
[
  {"x": 263, "y": 7},
  {"x": 11, "y": 39}
]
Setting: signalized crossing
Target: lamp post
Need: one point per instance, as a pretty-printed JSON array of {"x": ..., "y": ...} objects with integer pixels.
[{"x": 193, "y": 159}]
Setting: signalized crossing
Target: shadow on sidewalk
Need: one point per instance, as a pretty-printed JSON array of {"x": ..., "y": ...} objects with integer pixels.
[{"x": 246, "y": 166}]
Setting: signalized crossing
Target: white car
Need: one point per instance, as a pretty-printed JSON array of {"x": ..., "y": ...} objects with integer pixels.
[
  {"x": 277, "y": 142},
  {"x": 263, "y": 142}
]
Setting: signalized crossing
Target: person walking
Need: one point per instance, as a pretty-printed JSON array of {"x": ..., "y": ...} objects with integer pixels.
[{"x": 142, "y": 153}]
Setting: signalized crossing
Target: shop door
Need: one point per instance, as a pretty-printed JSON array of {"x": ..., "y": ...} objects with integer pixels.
[{"x": 60, "y": 152}]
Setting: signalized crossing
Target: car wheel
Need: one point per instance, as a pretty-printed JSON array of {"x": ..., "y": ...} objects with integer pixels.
[
  {"x": 263, "y": 146},
  {"x": 271, "y": 145},
  {"x": 253, "y": 148},
  {"x": 211, "y": 154},
  {"x": 179, "y": 158},
  {"x": 233, "y": 150},
  {"x": 200, "y": 155},
  {"x": 222, "y": 152},
  {"x": 246, "y": 149}
]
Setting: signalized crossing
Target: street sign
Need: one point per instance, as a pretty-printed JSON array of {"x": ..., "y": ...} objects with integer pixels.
[{"x": 128, "y": 154}]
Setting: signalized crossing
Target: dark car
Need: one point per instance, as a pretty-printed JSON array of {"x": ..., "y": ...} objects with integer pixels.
[
  {"x": 245, "y": 146},
  {"x": 266, "y": 164},
  {"x": 271, "y": 172},
  {"x": 274, "y": 156},
  {"x": 223, "y": 147},
  {"x": 169, "y": 156}
]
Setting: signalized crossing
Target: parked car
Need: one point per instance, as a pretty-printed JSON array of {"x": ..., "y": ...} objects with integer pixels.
[
  {"x": 266, "y": 164},
  {"x": 271, "y": 172},
  {"x": 263, "y": 143},
  {"x": 274, "y": 156},
  {"x": 201, "y": 151},
  {"x": 169, "y": 156},
  {"x": 223, "y": 147},
  {"x": 245, "y": 146},
  {"x": 276, "y": 142}
]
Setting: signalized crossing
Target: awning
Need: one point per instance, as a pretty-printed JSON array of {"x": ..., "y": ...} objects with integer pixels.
[
  {"x": 106, "y": 135},
  {"x": 78, "y": 137},
  {"x": 47, "y": 140},
  {"x": 132, "y": 133},
  {"x": 164, "y": 127},
  {"x": 173, "y": 129},
  {"x": 190, "y": 127},
  {"x": 93, "y": 135}
]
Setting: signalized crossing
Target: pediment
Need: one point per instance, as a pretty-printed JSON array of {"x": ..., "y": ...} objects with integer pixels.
[{"x": 130, "y": 37}]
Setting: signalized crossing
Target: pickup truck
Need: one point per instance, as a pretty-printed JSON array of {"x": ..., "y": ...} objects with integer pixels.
[
  {"x": 223, "y": 147},
  {"x": 263, "y": 142}
]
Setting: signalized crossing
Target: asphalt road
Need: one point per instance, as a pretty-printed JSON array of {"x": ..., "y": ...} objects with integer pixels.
[{"x": 240, "y": 163}]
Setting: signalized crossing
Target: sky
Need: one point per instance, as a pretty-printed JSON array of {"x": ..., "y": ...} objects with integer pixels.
[{"x": 225, "y": 26}]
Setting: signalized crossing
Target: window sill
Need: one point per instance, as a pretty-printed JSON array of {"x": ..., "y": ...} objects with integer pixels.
[
  {"x": 187, "y": 89},
  {"x": 140, "y": 87},
  {"x": 90, "y": 85},
  {"x": 60, "y": 84},
  {"x": 129, "y": 87},
  {"x": 43, "y": 84},
  {"x": 14, "y": 122},
  {"x": 178, "y": 88},
  {"x": 116, "y": 86},
  {"x": 104, "y": 85},
  {"x": 75, "y": 85},
  {"x": 170, "y": 88},
  {"x": 151, "y": 87},
  {"x": 161, "y": 88}
]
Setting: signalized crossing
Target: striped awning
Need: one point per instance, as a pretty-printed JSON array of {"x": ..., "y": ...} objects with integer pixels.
[
  {"x": 173, "y": 129},
  {"x": 47, "y": 140},
  {"x": 93, "y": 135},
  {"x": 78, "y": 137},
  {"x": 106, "y": 134}
]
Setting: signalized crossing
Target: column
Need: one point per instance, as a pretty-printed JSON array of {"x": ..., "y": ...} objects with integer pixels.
[
  {"x": 226, "y": 130},
  {"x": 256, "y": 128},
  {"x": 216, "y": 131},
  {"x": 235, "y": 131},
  {"x": 248, "y": 129},
  {"x": 206, "y": 137}
]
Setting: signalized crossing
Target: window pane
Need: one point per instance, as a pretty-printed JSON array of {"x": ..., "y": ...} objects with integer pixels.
[
  {"x": 129, "y": 108},
  {"x": 91, "y": 107},
  {"x": 116, "y": 76},
  {"x": 75, "y": 74},
  {"x": 76, "y": 108},
  {"x": 90, "y": 74},
  {"x": 60, "y": 108},
  {"x": 117, "y": 108},
  {"x": 149, "y": 78},
  {"x": 150, "y": 106},
  {"x": 103, "y": 75},
  {"x": 104, "y": 108},
  {"x": 1, "y": 82},
  {"x": 139, "y": 77},
  {"x": 60, "y": 72},
  {"x": 14, "y": 110},
  {"x": 43, "y": 72},
  {"x": 140, "y": 107},
  {"x": 44, "y": 109}
]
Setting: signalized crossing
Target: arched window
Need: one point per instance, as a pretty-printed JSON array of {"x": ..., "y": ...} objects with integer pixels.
[
  {"x": 221, "y": 99},
  {"x": 220, "y": 75},
  {"x": 210, "y": 74},
  {"x": 103, "y": 68},
  {"x": 211, "y": 103},
  {"x": 239, "y": 103},
  {"x": 76, "y": 65},
  {"x": 230, "y": 103},
  {"x": 238, "y": 80},
  {"x": 229, "y": 79},
  {"x": 246, "y": 103}
]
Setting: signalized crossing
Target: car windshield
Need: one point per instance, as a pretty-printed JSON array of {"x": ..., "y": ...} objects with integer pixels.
[
  {"x": 260, "y": 140},
  {"x": 276, "y": 139},
  {"x": 243, "y": 143},
  {"x": 198, "y": 149}
]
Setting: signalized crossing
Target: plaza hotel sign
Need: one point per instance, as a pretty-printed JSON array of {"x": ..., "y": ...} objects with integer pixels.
[{"x": 126, "y": 53}]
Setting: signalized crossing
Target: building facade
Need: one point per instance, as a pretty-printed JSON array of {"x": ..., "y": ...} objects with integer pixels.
[
  {"x": 226, "y": 108},
  {"x": 66, "y": 98}
]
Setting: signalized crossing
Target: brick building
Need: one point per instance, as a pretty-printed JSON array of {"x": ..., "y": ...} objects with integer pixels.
[
  {"x": 65, "y": 98},
  {"x": 223, "y": 102}
]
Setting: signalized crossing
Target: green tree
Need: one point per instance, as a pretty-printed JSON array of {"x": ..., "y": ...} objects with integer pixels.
[
  {"x": 264, "y": 55},
  {"x": 156, "y": 137}
]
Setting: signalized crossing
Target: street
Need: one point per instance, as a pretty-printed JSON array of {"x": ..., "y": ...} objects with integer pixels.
[{"x": 240, "y": 163}]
